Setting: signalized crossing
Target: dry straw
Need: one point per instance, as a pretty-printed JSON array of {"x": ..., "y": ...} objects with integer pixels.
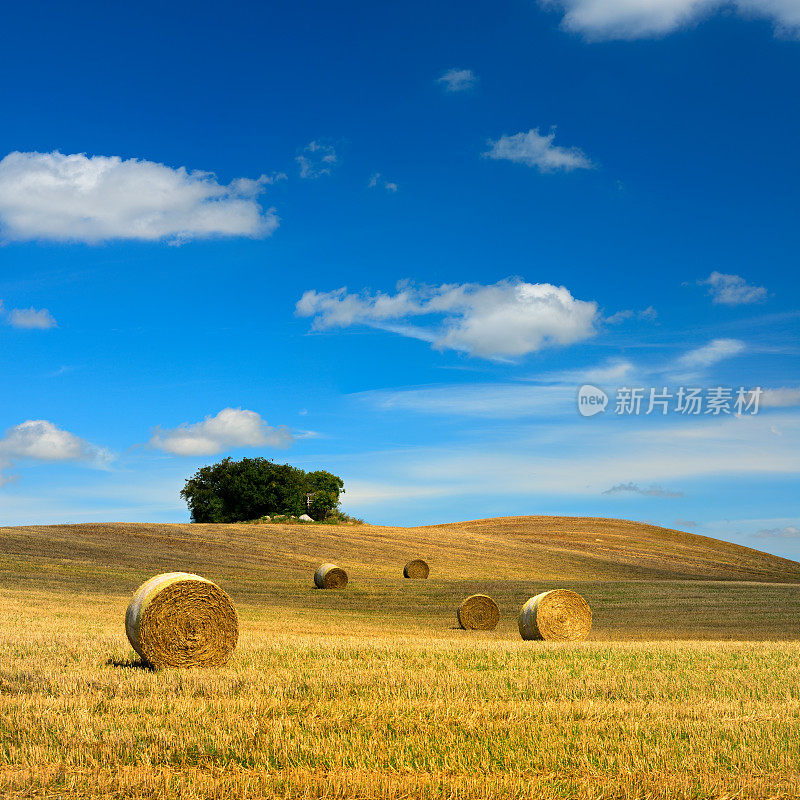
[
  {"x": 478, "y": 613},
  {"x": 558, "y": 615},
  {"x": 416, "y": 569},
  {"x": 182, "y": 620},
  {"x": 329, "y": 576}
]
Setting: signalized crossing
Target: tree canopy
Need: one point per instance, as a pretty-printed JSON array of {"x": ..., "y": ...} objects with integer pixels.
[{"x": 237, "y": 491}]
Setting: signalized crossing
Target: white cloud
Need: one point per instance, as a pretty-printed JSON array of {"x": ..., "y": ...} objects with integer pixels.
[
  {"x": 634, "y": 488},
  {"x": 316, "y": 160},
  {"x": 230, "y": 428},
  {"x": 98, "y": 198},
  {"x": 457, "y": 80},
  {"x": 378, "y": 180},
  {"x": 503, "y": 320},
  {"x": 733, "y": 290},
  {"x": 780, "y": 398},
  {"x": 635, "y": 19},
  {"x": 31, "y": 318},
  {"x": 535, "y": 150},
  {"x": 41, "y": 440},
  {"x": 711, "y": 353}
]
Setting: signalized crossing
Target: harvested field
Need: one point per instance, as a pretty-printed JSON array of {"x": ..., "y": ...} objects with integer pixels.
[{"x": 683, "y": 689}]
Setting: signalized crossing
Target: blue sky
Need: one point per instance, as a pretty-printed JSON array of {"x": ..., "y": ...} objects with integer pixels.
[{"x": 393, "y": 244}]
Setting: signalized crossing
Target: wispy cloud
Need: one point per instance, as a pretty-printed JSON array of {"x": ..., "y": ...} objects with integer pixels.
[
  {"x": 490, "y": 400},
  {"x": 637, "y": 19},
  {"x": 780, "y": 398},
  {"x": 230, "y": 428},
  {"x": 457, "y": 80},
  {"x": 650, "y": 491},
  {"x": 733, "y": 290},
  {"x": 537, "y": 150},
  {"x": 507, "y": 319},
  {"x": 789, "y": 532},
  {"x": 648, "y": 314},
  {"x": 316, "y": 160},
  {"x": 377, "y": 180},
  {"x": 92, "y": 199},
  {"x": 709, "y": 354}
]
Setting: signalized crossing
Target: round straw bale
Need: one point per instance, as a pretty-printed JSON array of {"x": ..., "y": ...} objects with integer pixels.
[
  {"x": 416, "y": 569},
  {"x": 478, "y": 613},
  {"x": 329, "y": 576},
  {"x": 182, "y": 620},
  {"x": 558, "y": 615}
]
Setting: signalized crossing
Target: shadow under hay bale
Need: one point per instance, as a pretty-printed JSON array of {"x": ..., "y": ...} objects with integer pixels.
[
  {"x": 182, "y": 620},
  {"x": 416, "y": 569},
  {"x": 329, "y": 576},
  {"x": 559, "y": 615},
  {"x": 478, "y": 613}
]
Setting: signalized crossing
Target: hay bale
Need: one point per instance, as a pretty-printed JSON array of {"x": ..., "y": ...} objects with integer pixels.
[
  {"x": 478, "y": 613},
  {"x": 329, "y": 576},
  {"x": 558, "y": 615},
  {"x": 416, "y": 569},
  {"x": 182, "y": 620}
]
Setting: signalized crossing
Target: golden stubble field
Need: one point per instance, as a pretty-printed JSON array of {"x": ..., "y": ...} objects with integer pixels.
[{"x": 685, "y": 689}]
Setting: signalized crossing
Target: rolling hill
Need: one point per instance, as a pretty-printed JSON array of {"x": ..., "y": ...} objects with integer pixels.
[{"x": 117, "y": 556}]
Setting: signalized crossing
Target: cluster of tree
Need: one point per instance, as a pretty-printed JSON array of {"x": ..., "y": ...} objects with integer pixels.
[{"x": 237, "y": 491}]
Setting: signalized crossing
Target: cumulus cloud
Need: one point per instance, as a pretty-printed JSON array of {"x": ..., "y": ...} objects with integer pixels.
[
  {"x": 503, "y": 320},
  {"x": 230, "y": 428},
  {"x": 636, "y": 19},
  {"x": 634, "y": 488},
  {"x": 31, "y": 318},
  {"x": 316, "y": 160},
  {"x": 733, "y": 290},
  {"x": 99, "y": 198},
  {"x": 457, "y": 80},
  {"x": 536, "y": 150},
  {"x": 41, "y": 440}
]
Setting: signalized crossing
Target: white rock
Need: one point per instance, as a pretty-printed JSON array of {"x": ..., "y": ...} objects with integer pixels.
[{"x": 305, "y": 518}]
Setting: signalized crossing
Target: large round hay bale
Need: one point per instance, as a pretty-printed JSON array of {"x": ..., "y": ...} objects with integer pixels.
[
  {"x": 329, "y": 576},
  {"x": 558, "y": 615},
  {"x": 478, "y": 613},
  {"x": 416, "y": 569},
  {"x": 182, "y": 620}
]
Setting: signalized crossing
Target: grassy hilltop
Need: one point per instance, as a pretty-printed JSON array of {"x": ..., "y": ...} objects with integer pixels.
[{"x": 689, "y": 686}]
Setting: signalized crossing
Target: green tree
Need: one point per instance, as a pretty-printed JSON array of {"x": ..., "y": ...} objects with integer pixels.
[
  {"x": 321, "y": 504},
  {"x": 236, "y": 491}
]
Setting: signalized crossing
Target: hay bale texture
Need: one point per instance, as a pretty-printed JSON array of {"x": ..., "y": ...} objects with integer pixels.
[
  {"x": 558, "y": 616},
  {"x": 416, "y": 569},
  {"x": 329, "y": 576},
  {"x": 182, "y": 620},
  {"x": 478, "y": 613}
]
